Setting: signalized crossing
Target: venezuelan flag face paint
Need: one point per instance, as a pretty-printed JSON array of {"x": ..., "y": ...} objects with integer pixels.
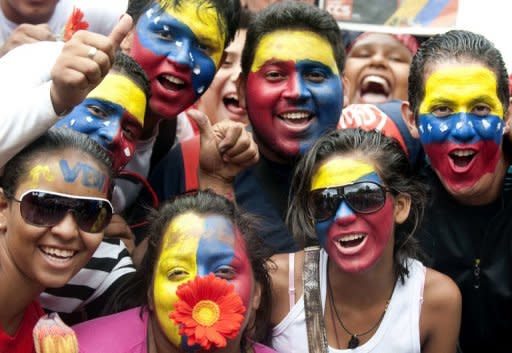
[
  {"x": 294, "y": 92},
  {"x": 112, "y": 115},
  {"x": 196, "y": 245},
  {"x": 179, "y": 49},
  {"x": 354, "y": 241},
  {"x": 461, "y": 124}
]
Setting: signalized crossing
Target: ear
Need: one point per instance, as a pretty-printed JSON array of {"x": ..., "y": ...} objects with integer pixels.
[
  {"x": 346, "y": 88},
  {"x": 126, "y": 43},
  {"x": 409, "y": 119},
  {"x": 508, "y": 119},
  {"x": 3, "y": 211},
  {"x": 402, "y": 207},
  {"x": 240, "y": 90},
  {"x": 256, "y": 298}
]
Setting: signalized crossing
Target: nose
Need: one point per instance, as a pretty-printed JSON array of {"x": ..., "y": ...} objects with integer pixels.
[
  {"x": 464, "y": 130},
  {"x": 107, "y": 134},
  {"x": 378, "y": 59},
  {"x": 67, "y": 229},
  {"x": 344, "y": 215},
  {"x": 182, "y": 53},
  {"x": 295, "y": 88}
]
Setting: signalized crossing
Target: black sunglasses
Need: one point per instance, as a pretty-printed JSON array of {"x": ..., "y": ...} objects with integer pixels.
[
  {"x": 45, "y": 209},
  {"x": 362, "y": 197}
]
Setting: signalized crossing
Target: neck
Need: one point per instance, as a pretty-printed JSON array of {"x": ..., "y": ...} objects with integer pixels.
[
  {"x": 151, "y": 121},
  {"x": 20, "y": 292}
]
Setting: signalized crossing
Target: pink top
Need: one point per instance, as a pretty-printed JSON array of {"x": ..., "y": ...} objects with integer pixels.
[{"x": 124, "y": 332}]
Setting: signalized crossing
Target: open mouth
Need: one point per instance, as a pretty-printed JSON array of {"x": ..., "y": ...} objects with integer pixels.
[
  {"x": 374, "y": 89},
  {"x": 171, "y": 82},
  {"x": 59, "y": 255},
  {"x": 462, "y": 158},
  {"x": 351, "y": 241},
  {"x": 232, "y": 104}
]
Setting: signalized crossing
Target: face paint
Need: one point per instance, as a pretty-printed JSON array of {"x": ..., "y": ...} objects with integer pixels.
[
  {"x": 460, "y": 124},
  {"x": 86, "y": 174},
  {"x": 112, "y": 115},
  {"x": 294, "y": 91},
  {"x": 179, "y": 49},
  {"x": 38, "y": 172},
  {"x": 196, "y": 245},
  {"x": 353, "y": 241}
]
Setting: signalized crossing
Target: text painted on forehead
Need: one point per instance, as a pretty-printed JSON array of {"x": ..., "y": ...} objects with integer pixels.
[
  {"x": 286, "y": 45},
  {"x": 460, "y": 88},
  {"x": 203, "y": 20},
  {"x": 339, "y": 171}
]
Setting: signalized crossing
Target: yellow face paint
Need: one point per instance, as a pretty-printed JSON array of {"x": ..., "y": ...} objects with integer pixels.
[
  {"x": 119, "y": 89},
  {"x": 339, "y": 171},
  {"x": 203, "y": 20},
  {"x": 38, "y": 172},
  {"x": 291, "y": 45},
  {"x": 176, "y": 265},
  {"x": 461, "y": 88}
]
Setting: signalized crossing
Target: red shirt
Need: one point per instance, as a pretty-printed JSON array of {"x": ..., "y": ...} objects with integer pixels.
[{"x": 22, "y": 341}]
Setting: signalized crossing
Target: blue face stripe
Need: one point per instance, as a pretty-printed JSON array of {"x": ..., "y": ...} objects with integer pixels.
[
  {"x": 326, "y": 99},
  {"x": 460, "y": 128},
  {"x": 166, "y": 36}
]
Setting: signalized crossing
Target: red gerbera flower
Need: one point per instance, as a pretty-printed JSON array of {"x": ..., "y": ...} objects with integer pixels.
[
  {"x": 208, "y": 311},
  {"x": 75, "y": 23}
]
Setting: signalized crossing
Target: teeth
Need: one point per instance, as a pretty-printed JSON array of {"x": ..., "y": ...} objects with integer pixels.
[
  {"x": 463, "y": 153},
  {"x": 63, "y": 253},
  {"x": 232, "y": 96},
  {"x": 351, "y": 237},
  {"x": 173, "y": 79},
  {"x": 295, "y": 115}
]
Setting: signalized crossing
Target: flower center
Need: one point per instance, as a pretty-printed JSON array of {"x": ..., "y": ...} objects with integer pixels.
[{"x": 206, "y": 313}]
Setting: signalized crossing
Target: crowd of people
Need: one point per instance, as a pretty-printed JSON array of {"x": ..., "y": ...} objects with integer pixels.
[{"x": 218, "y": 175}]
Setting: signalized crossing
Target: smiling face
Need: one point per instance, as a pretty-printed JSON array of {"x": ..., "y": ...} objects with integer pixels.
[
  {"x": 196, "y": 245},
  {"x": 461, "y": 128},
  {"x": 293, "y": 91},
  {"x": 179, "y": 49},
  {"x": 112, "y": 115},
  {"x": 221, "y": 100},
  {"x": 378, "y": 69},
  {"x": 354, "y": 241},
  {"x": 50, "y": 256}
]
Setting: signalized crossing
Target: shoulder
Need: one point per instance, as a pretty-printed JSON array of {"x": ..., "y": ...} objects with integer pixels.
[
  {"x": 260, "y": 348},
  {"x": 441, "y": 292}
]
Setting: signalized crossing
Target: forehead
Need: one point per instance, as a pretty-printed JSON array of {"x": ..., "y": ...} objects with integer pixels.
[
  {"x": 120, "y": 89},
  {"x": 460, "y": 82},
  {"x": 200, "y": 16},
  {"x": 189, "y": 228},
  {"x": 377, "y": 39},
  {"x": 294, "y": 45},
  {"x": 338, "y": 171}
]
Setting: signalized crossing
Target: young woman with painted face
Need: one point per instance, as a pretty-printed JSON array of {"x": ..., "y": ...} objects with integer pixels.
[
  {"x": 198, "y": 244},
  {"x": 354, "y": 194},
  {"x": 54, "y": 206}
]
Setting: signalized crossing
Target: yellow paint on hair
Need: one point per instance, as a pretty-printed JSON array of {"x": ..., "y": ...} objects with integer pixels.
[
  {"x": 119, "y": 89},
  {"x": 339, "y": 171},
  {"x": 293, "y": 45}
]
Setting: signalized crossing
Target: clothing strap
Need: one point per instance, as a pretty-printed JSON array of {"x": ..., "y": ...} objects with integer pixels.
[
  {"x": 291, "y": 279},
  {"x": 317, "y": 338},
  {"x": 190, "y": 149}
]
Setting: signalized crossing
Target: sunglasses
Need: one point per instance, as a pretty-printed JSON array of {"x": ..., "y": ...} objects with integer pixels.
[
  {"x": 362, "y": 197},
  {"x": 45, "y": 209}
]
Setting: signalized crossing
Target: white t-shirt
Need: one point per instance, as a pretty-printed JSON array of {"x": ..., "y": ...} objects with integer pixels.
[{"x": 102, "y": 15}]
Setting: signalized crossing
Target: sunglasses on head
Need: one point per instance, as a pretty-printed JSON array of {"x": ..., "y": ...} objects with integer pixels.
[
  {"x": 45, "y": 209},
  {"x": 362, "y": 197}
]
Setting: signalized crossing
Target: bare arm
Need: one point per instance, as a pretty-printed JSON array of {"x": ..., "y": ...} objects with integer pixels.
[{"x": 440, "y": 314}]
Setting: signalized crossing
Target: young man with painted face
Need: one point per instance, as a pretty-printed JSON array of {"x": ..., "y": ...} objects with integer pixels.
[
  {"x": 458, "y": 108},
  {"x": 113, "y": 113},
  {"x": 291, "y": 79}
]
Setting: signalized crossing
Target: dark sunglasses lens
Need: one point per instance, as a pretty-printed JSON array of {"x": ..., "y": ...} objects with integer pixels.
[
  {"x": 45, "y": 209},
  {"x": 365, "y": 197},
  {"x": 325, "y": 202},
  {"x": 41, "y": 209},
  {"x": 93, "y": 215}
]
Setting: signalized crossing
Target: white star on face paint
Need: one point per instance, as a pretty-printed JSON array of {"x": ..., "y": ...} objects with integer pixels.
[
  {"x": 429, "y": 128},
  {"x": 179, "y": 44},
  {"x": 72, "y": 122},
  {"x": 106, "y": 123},
  {"x": 166, "y": 27},
  {"x": 200, "y": 89},
  {"x": 196, "y": 70},
  {"x": 443, "y": 127},
  {"x": 149, "y": 13},
  {"x": 486, "y": 124},
  {"x": 459, "y": 125},
  {"x": 88, "y": 119},
  {"x": 156, "y": 20},
  {"x": 421, "y": 129},
  {"x": 127, "y": 152}
]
